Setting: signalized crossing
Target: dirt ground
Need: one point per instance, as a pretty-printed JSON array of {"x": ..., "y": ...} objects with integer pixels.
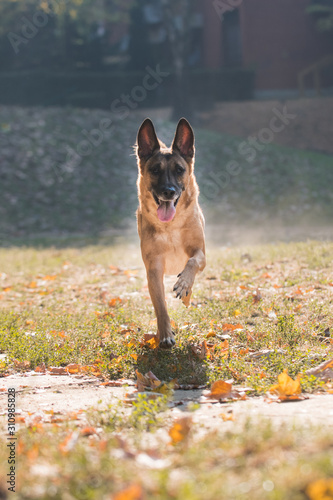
[
  {"x": 310, "y": 128},
  {"x": 40, "y": 394}
]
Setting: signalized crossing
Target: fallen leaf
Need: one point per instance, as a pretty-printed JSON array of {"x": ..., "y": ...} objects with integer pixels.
[
  {"x": 149, "y": 340},
  {"x": 287, "y": 389},
  {"x": 115, "y": 301},
  {"x": 256, "y": 296},
  {"x": 220, "y": 390},
  {"x": 21, "y": 364},
  {"x": 180, "y": 430},
  {"x": 58, "y": 370},
  {"x": 229, "y": 327},
  {"x": 321, "y": 489},
  {"x": 227, "y": 416},
  {"x": 211, "y": 334},
  {"x": 88, "y": 431},
  {"x": 324, "y": 371},
  {"x": 132, "y": 492}
]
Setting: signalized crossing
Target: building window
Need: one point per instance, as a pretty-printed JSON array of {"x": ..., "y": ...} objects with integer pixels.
[{"x": 231, "y": 39}]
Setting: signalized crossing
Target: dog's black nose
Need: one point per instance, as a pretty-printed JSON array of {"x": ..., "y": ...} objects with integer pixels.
[{"x": 169, "y": 192}]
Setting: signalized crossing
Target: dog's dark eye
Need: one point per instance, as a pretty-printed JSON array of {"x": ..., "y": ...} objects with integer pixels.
[
  {"x": 179, "y": 169},
  {"x": 155, "y": 170}
]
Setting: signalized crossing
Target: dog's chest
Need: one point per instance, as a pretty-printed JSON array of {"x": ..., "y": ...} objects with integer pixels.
[{"x": 175, "y": 256}]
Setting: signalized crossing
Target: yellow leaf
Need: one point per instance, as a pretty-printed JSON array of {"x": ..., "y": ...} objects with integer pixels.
[
  {"x": 227, "y": 416},
  {"x": 286, "y": 388},
  {"x": 237, "y": 312},
  {"x": 180, "y": 429},
  {"x": 322, "y": 489}
]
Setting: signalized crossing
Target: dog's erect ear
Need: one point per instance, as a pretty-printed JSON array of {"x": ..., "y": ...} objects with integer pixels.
[
  {"x": 147, "y": 142},
  {"x": 184, "y": 139}
]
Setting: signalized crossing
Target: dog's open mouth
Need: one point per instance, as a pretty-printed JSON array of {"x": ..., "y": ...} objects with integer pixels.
[{"x": 166, "y": 209}]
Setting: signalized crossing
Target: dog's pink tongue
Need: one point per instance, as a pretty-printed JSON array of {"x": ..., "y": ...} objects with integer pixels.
[{"x": 166, "y": 211}]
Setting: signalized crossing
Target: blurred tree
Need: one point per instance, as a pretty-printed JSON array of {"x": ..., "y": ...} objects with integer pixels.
[
  {"x": 323, "y": 10},
  {"x": 63, "y": 33},
  {"x": 178, "y": 19}
]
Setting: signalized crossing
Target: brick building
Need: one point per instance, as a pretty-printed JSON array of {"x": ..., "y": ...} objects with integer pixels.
[{"x": 275, "y": 37}]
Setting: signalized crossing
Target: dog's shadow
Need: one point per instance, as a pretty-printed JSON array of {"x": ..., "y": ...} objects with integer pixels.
[{"x": 180, "y": 364}]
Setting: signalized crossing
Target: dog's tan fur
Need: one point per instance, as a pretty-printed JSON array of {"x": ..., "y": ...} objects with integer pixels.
[{"x": 175, "y": 247}]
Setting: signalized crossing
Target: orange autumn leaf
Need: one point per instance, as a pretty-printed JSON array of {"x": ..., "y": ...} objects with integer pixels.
[
  {"x": 287, "y": 388},
  {"x": 321, "y": 489},
  {"x": 204, "y": 351},
  {"x": 227, "y": 416},
  {"x": 21, "y": 364},
  {"x": 73, "y": 368},
  {"x": 58, "y": 370},
  {"x": 130, "y": 272},
  {"x": 266, "y": 276},
  {"x": 180, "y": 430},
  {"x": 211, "y": 334},
  {"x": 88, "y": 431},
  {"x": 224, "y": 344},
  {"x": 33, "y": 452},
  {"x": 142, "y": 381},
  {"x": 220, "y": 390},
  {"x": 132, "y": 492},
  {"x": 19, "y": 419},
  {"x": 67, "y": 444},
  {"x": 32, "y": 284},
  {"x": 50, "y": 278},
  {"x": 229, "y": 327},
  {"x": 113, "y": 302},
  {"x": 150, "y": 340},
  {"x": 7, "y": 289}
]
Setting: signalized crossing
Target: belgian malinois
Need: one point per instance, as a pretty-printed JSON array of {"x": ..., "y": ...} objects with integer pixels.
[{"x": 170, "y": 221}]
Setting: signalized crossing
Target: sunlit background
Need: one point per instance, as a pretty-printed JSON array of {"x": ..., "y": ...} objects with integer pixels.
[{"x": 254, "y": 77}]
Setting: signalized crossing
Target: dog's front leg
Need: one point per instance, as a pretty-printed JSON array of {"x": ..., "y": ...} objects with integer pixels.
[
  {"x": 155, "y": 274},
  {"x": 183, "y": 286}
]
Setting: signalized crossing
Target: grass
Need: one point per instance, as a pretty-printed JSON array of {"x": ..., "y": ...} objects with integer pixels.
[
  {"x": 47, "y": 187},
  {"x": 70, "y": 461},
  {"x": 89, "y": 305}
]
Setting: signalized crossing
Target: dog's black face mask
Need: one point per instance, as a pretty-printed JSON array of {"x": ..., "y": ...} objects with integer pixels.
[
  {"x": 166, "y": 184},
  {"x": 167, "y": 170}
]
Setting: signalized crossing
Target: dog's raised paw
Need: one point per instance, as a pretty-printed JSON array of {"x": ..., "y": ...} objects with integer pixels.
[
  {"x": 183, "y": 287},
  {"x": 167, "y": 343}
]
